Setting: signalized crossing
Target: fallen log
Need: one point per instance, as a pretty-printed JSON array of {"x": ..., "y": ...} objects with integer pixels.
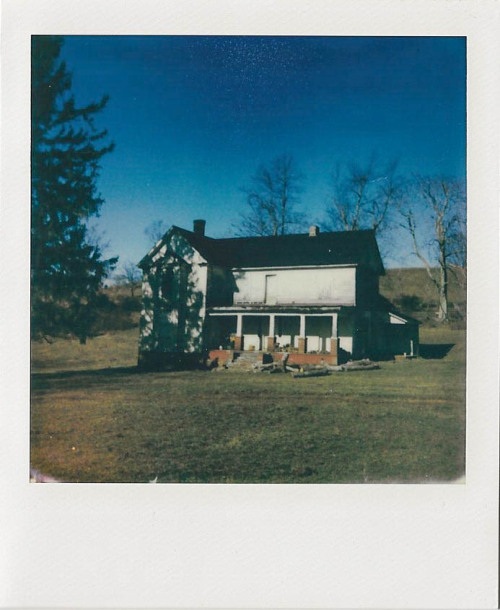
[
  {"x": 271, "y": 367},
  {"x": 259, "y": 366},
  {"x": 364, "y": 367},
  {"x": 310, "y": 367},
  {"x": 315, "y": 373},
  {"x": 359, "y": 363},
  {"x": 334, "y": 368}
]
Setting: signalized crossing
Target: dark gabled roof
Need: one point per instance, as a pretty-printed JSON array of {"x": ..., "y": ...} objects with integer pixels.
[{"x": 336, "y": 248}]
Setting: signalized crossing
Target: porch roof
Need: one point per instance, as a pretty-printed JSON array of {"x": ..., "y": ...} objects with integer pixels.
[{"x": 275, "y": 309}]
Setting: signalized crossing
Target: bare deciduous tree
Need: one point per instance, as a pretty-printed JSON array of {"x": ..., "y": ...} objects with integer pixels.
[
  {"x": 458, "y": 264},
  {"x": 363, "y": 196},
  {"x": 155, "y": 230},
  {"x": 130, "y": 276},
  {"x": 434, "y": 215},
  {"x": 272, "y": 197}
]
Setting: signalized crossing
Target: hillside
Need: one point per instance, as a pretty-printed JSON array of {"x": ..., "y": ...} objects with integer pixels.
[
  {"x": 412, "y": 291},
  {"x": 118, "y": 308}
]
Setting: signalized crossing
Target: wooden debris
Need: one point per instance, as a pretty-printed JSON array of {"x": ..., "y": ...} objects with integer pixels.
[
  {"x": 313, "y": 373},
  {"x": 259, "y": 366},
  {"x": 360, "y": 365},
  {"x": 318, "y": 370},
  {"x": 271, "y": 367},
  {"x": 365, "y": 367},
  {"x": 334, "y": 368},
  {"x": 313, "y": 370}
]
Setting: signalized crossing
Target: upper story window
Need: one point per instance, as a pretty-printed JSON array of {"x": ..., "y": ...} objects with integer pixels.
[{"x": 167, "y": 283}]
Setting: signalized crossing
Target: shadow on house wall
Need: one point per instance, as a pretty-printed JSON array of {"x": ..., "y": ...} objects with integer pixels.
[{"x": 173, "y": 317}]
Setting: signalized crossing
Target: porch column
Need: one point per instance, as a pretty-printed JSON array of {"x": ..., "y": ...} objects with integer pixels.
[
  {"x": 302, "y": 334},
  {"x": 334, "y": 341},
  {"x": 238, "y": 339},
  {"x": 270, "y": 338},
  {"x": 334, "y": 325}
]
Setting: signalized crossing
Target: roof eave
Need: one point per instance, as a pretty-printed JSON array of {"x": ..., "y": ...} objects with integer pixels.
[
  {"x": 147, "y": 260},
  {"x": 158, "y": 245},
  {"x": 285, "y": 267}
]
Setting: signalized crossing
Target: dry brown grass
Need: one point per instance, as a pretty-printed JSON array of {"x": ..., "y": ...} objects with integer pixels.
[{"x": 96, "y": 419}]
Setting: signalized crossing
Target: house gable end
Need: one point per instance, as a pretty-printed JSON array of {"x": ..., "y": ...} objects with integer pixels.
[{"x": 174, "y": 243}]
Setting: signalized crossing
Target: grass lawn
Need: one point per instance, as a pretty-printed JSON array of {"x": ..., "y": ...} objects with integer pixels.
[{"x": 94, "y": 418}]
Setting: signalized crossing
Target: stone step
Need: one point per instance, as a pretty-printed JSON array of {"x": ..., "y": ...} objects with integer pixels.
[{"x": 245, "y": 360}]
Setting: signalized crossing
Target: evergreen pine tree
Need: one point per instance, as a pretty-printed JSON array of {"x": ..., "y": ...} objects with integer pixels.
[{"x": 67, "y": 268}]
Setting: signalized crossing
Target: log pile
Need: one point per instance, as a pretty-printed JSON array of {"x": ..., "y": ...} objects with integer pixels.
[
  {"x": 360, "y": 365},
  {"x": 315, "y": 370},
  {"x": 314, "y": 373},
  {"x": 271, "y": 367}
]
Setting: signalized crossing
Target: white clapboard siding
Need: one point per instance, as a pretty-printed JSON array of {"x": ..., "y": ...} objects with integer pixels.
[{"x": 315, "y": 286}]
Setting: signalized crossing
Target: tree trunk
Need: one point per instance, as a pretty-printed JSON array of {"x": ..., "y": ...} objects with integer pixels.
[{"x": 443, "y": 293}]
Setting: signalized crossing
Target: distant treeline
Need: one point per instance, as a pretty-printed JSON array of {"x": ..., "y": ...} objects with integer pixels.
[{"x": 117, "y": 309}]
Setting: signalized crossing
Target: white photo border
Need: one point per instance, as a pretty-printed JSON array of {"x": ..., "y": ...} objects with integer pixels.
[{"x": 261, "y": 546}]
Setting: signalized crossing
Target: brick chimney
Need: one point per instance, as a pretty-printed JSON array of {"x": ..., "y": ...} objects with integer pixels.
[
  {"x": 199, "y": 227},
  {"x": 313, "y": 231}
]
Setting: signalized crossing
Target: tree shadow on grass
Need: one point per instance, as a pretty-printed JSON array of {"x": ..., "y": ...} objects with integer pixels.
[
  {"x": 110, "y": 370},
  {"x": 435, "y": 351},
  {"x": 39, "y": 379}
]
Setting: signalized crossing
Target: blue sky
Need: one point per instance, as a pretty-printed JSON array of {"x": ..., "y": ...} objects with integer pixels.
[{"x": 193, "y": 117}]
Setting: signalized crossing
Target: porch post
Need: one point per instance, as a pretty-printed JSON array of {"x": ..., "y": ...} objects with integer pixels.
[
  {"x": 334, "y": 341},
  {"x": 270, "y": 338},
  {"x": 238, "y": 339},
  {"x": 334, "y": 325},
  {"x": 302, "y": 334}
]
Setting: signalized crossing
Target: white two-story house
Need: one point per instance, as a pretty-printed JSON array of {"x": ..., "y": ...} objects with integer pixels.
[{"x": 308, "y": 294}]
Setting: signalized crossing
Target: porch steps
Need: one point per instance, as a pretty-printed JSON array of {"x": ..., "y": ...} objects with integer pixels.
[{"x": 244, "y": 360}]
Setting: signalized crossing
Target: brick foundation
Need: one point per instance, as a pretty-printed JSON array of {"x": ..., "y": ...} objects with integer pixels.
[
  {"x": 223, "y": 355},
  {"x": 334, "y": 347},
  {"x": 312, "y": 359},
  {"x": 238, "y": 343}
]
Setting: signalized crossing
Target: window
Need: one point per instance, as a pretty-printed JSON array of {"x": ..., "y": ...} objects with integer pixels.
[{"x": 167, "y": 283}]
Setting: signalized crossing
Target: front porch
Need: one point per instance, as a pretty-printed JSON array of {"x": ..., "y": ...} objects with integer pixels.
[
  {"x": 305, "y": 333},
  {"x": 229, "y": 355}
]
